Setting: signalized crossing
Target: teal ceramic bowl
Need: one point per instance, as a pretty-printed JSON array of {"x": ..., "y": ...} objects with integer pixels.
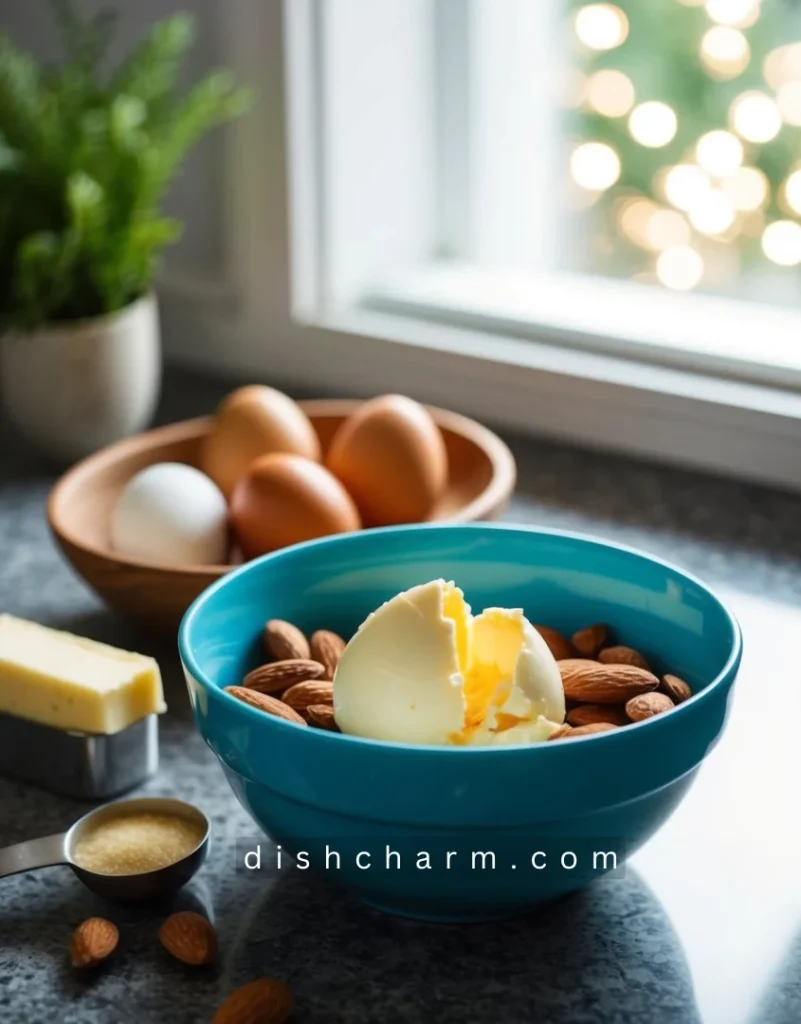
[{"x": 522, "y": 824}]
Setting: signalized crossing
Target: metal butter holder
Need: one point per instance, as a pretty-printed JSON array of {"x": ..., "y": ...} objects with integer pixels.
[{"x": 83, "y": 766}]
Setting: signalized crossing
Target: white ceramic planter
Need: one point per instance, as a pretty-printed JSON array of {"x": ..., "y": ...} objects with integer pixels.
[{"x": 73, "y": 388}]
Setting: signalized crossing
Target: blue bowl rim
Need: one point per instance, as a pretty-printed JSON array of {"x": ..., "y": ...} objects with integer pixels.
[{"x": 408, "y": 749}]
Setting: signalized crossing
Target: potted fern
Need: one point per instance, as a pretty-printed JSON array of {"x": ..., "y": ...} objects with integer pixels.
[{"x": 86, "y": 156}]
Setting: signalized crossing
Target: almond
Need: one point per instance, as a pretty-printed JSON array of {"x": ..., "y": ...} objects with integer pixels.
[
  {"x": 591, "y": 714},
  {"x": 561, "y": 732},
  {"x": 189, "y": 937},
  {"x": 593, "y": 683},
  {"x": 566, "y": 732},
  {"x": 93, "y": 941},
  {"x": 322, "y": 715},
  {"x": 311, "y": 691},
  {"x": 590, "y": 640},
  {"x": 264, "y": 1001},
  {"x": 264, "y": 702},
  {"x": 676, "y": 688},
  {"x": 559, "y": 646},
  {"x": 647, "y": 705},
  {"x": 285, "y": 642},
  {"x": 327, "y": 647},
  {"x": 623, "y": 656},
  {"x": 278, "y": 675}
]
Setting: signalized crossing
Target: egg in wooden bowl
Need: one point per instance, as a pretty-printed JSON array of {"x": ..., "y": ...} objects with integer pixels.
[{"x": 479, "y": 481}]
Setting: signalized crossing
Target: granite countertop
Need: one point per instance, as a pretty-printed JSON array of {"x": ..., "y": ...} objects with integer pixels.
[{"x": 704, "y": 927}]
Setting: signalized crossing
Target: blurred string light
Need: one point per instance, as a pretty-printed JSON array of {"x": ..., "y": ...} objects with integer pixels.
[
  {"x": 725, "y": 52},
  {"x": 601, "y": 26},
  {"x": 714, "y": 215},
  {"x": 634, "y": 216},
  {"x": 719, "y": 153},
  {"x": 788, "y": 100},
  {"x": 653, "y": 124},
  {"x": 680, "y": 267},
  {"x": 781, "y": 243},
  {"x": 792, "y": 191},
  {"x": 782, "y": 65},
  {"x": 595, "y": 166},
  {"x": 755, "y": 116},
  {"x": 686, "y": 186},
  {"x": 738, "y": 13},
  {"x": 610, "y": 93},
  {"x": 747, "y": 188},
  {"x": 666, "y": 228}
]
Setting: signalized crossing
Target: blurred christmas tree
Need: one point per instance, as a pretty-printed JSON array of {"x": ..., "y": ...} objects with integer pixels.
[{"x": 686, "y": 138}]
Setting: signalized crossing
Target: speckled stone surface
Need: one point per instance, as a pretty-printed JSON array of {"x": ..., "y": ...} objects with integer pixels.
[{"x": 706, "y": 925}]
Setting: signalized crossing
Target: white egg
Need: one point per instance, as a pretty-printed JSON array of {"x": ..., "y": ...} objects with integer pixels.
[
  {"x": 172, "y": 514},
  {"x": 422, "y": 669}
]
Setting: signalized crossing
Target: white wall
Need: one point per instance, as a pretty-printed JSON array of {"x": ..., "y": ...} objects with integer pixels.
[{"x": 196, "y": 196}]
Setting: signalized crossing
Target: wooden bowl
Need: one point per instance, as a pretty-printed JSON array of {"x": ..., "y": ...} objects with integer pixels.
[{"x": 481, "y": 479}]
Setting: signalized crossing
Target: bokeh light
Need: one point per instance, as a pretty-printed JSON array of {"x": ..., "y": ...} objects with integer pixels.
[
  {"x": 724, "y": 52},
  {"x": 755, "y": 116},
  {"x": 740, "y": 13},
  {"x": 747, "y": 188},
  {"x": 666, "y": 228},
  {"x": 633, "y": 217},
  {"x": 594, "y": 166},
  {"x": 653, "y": 124},
  {"x": 788, "y": 100},
  {"x": 719, "y": 153},
  {"x": 601, "y": 26},
  {"x": 782, "y": 65},
  {"x": 680, "y": 267},
  {"x": 792, "y": 191},
  {"x": 685, "y": 186},
  {"x": 781, "y": 243},
  {"x": 610, "y": 92},
  {"x": 714, "y": 215}
]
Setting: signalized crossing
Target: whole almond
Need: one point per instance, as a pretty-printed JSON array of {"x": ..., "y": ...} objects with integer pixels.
[
  {"x": 647, "y": 705},
  {"x": 285, "y": 642},
  {"x": 594, "y": 683},
  {"x": 278, "y": 675},
  {"x": 590, "y": 640},
  {"x": 559, "y": 646},
  {"x": 264, "y": 702},
  {"x": 93, "y": 941},
  {"x": 591, "y": 714},
  {"x": 675, "y": 688},
  {"x": 322, "y": 715},
  {"x": 327, "y": 647},
  {"x": 264, "y": 1001},
  {"x": 312, "y": 691},
  {"x": 561, "y": 732},
  {"x": 623, "y": 656},
  {"x": 582, "y": 730},
  {"x": 189, "y": 937}
]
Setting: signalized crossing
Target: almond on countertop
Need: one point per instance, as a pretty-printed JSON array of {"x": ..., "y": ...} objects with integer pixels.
[
  {"x": 559, "y": 646},
  {"x": 93, "y": 941},
  {"x": 590, "y": 640},
  {"x": 621, "y": 655},
  {"x": 264, "y": 702},
  {"x": 675, "y": 688},
  {"x": 647, "y": 705},
  {"x": 189, "y": 937},
  {"x": 264, "y": 1001},
  {"x": 327, "y": 648},
  {"x": 322, "y": 715},
  {"x": 591, "y": 714},
  {"x": 285, "y": 642},
  {"x": 278, "y": 675},
  {"x": 311, "y": 691},
  {"x": 594, "y": 683}
]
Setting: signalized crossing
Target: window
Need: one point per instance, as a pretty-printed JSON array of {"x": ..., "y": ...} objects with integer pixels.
[{"x": 570, "y": 218}]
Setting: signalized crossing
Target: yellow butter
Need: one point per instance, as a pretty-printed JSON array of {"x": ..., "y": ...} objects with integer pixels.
[{"x": 72, "y": 683}]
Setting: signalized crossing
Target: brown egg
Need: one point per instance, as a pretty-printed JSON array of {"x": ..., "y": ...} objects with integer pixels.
[
  {"x": 285, "y": 499},
  {"x": 253, "y": 421},
  {"x": 391, "y": 457}
]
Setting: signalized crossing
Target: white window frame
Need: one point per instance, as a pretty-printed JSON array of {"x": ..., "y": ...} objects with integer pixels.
[{"x": 288, "y": 312}]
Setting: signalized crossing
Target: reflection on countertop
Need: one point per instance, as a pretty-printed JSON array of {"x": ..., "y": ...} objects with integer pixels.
[{"x": 704, "y": 927}]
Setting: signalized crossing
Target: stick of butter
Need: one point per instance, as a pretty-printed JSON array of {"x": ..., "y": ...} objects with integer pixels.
[{"x": 72, "y": 683}]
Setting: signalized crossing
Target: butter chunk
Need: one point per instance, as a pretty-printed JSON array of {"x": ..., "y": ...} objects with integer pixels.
[{"x": 73, "y": 683}]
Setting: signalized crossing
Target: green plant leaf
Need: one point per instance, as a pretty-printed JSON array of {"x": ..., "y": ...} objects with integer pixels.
[
  {"x": 21, "y": 103},
  {"x": 152, "y": 69}
]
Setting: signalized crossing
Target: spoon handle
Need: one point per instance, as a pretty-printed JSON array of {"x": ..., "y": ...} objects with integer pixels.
[{"x": 35, "y": 853}]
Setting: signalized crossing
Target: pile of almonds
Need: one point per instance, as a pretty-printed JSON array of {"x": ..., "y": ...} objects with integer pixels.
[
  {"x": 190, "y": 938},
  {"x": 607, "y": 685},
  {"x": 297, "y": 684}
]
